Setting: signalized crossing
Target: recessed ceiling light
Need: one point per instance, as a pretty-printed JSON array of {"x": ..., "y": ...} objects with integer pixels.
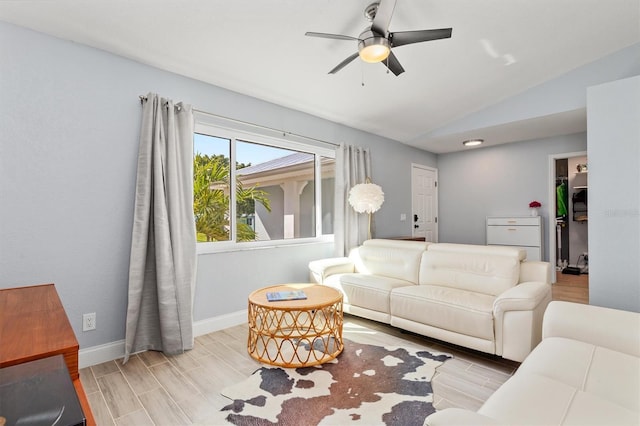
[{"x": 473, "y": 142}]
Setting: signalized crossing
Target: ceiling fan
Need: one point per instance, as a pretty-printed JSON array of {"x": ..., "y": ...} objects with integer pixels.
[{"x": 375, "y": 43}]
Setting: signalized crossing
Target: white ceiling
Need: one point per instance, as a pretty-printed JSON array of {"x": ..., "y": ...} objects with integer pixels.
[{"x": 499, "y": 48}]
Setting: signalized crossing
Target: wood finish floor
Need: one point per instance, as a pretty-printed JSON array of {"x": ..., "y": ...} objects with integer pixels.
[
  {"x": 154, "y": 389},
  {"x": 571, "y": 288}
]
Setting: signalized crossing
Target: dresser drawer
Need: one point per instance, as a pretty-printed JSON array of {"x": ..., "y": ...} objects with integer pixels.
[
  {"x": 514, "y": 235},
  {"x": 510, "y": 221}
]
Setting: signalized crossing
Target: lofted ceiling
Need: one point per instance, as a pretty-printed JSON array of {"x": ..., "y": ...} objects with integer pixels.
[{"x": 499, "y": 48}]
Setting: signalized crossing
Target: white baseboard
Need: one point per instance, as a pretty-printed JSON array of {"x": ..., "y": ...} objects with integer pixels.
[
  {"x": 101, "y": 353},
  {"x": 115, "y": 350},
  {"x": 221, "y": 322}
]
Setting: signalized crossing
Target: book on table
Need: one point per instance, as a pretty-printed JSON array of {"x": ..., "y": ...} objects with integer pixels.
[{"x": 275, "y": 296}]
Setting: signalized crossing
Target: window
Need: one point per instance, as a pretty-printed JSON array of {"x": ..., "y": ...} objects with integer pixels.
[{"x": 256, "y": 189}]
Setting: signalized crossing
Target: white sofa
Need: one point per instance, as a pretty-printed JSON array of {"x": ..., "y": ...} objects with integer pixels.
[
  {"x": 586, "y": 371},
  {"x": 487, "y": 298}
]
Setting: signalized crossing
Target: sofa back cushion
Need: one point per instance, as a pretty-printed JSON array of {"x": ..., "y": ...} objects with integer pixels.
[
  {"x": 487, "y": 273},
  {"x": 521, "y": 254},
  {"x": 403, "y": 244},
  {"x": 398, "y": 259}
]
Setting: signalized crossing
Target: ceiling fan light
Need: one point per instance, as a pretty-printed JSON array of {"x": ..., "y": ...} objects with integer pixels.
[{"x": 374, "y": 49}]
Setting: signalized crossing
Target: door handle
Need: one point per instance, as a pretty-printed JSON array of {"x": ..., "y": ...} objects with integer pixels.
[
  {"x": 415, "y": 217},
  {"x": 416, "y": 226}
]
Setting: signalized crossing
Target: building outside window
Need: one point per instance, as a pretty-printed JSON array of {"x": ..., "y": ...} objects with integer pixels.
[{"x": 252, "y": 189}]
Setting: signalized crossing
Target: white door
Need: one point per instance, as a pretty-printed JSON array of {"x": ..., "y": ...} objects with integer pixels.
[{"x": 424, "y": 200}]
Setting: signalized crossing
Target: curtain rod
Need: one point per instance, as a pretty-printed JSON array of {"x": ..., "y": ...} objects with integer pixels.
[{"x": 284, "y": 133}]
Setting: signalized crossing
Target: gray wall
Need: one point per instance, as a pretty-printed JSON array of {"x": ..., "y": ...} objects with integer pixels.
[
  {"x": 69, "y": 125},
  {"x": 391, "y": 169},
  {"x": 503, "y": 179},
  {"x": 68, "y": 148},
  {"x": 614, "y": 194},
  {"x": 495, "y": 181}
]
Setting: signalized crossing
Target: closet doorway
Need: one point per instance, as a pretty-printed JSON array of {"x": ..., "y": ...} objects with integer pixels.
[{"x": 568, "y": 217}]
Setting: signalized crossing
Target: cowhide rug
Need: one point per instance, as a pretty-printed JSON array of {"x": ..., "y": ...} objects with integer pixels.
[{"x": 365, "y": 385}]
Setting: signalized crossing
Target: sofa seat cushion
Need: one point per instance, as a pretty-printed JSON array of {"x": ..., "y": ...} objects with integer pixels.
[
  {"x": 565, "y": 381},
  {"x": 600, "y": 371},
  {"x": 447, "y": 308},
  {"x": 370, "y": 291}
]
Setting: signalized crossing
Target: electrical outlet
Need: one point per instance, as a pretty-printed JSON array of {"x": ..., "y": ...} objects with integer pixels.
[{"x": 89, "y": 321}]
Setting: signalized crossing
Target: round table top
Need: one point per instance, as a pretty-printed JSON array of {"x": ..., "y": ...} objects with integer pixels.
[{"x": 318, "y": 296}]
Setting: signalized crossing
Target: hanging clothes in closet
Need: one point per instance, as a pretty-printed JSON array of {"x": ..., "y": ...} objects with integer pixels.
[{"x": 562, "y": 196}]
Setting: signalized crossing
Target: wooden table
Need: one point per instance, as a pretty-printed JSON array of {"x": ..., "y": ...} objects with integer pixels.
[
  {"x": 34, "y": 325},
  {"x": 295, "y": 333}
]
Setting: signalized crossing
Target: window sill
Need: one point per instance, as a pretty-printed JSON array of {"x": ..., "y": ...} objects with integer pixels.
[{"x": 226, "y": 247}]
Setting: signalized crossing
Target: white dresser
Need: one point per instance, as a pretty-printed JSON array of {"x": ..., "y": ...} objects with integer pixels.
[{"x": 522, "y": 232}]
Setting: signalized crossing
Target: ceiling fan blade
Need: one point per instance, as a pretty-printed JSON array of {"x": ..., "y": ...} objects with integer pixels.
[
  {"x": 333, "y": 36},
  {"x": 343, "y": 63},
  {"x": 382, "y": 19},
  {"x": 393, "y": 64},
  {"x": 408, "y": 37}
]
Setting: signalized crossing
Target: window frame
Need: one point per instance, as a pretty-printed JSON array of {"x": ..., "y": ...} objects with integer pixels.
[{"x": 245, "y": 132}]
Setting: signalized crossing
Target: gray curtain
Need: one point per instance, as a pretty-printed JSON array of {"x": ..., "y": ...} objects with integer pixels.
[
  {"x": 353, "y": 166},
  {"x": 163, "y": 243}
]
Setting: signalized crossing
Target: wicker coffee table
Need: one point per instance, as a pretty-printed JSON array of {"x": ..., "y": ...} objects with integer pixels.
[{"x": 295, "y": 333}]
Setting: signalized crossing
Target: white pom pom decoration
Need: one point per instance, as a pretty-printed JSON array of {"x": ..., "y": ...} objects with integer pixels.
[{"x": 366, "y": 197}]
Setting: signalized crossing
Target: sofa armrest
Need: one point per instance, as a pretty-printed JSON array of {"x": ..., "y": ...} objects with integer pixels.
[
  {"x": 319, "y": 270},
  {"x": 610, "y": 328},
  {"x": 518, "y": 314},
  {"x": 459, "y": 416},
  {"x": 522, "y": 297},
  {"x": 535, "y": 271}
]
